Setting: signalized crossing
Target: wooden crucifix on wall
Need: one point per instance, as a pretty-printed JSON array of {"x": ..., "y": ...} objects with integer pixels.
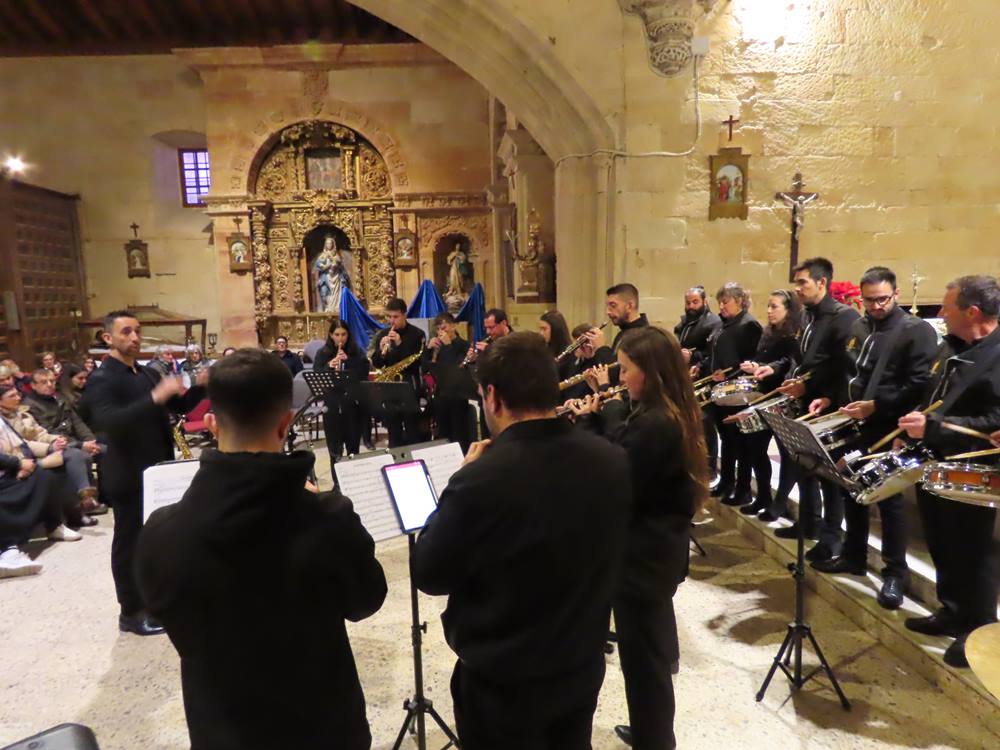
[{"x": 796, "y": 199}]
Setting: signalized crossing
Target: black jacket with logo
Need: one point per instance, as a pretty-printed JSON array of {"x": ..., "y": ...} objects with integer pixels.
[{"x": 823, "y": 350}]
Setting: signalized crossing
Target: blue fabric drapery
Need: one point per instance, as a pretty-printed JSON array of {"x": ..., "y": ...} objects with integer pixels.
[
  {"x": 358, "y": 321},
  {"x": 427, "y": 303},
  {"x": 473, "y": 312}
]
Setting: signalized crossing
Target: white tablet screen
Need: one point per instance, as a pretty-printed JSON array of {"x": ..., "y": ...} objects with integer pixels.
[{"x": 411, "y": 492}]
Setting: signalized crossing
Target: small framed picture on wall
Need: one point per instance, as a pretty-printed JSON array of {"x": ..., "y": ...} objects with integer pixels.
[
  {"x": 405, "y": 249},
  {"x": 239, "y": 253}
]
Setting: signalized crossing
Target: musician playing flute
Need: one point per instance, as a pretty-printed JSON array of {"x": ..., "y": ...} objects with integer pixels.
[{"x": 966, "y": 374}]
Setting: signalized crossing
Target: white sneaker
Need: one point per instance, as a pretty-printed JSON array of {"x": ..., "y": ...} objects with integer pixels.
[
  {"x": 13, "y": 563},
  {"x": 63, "y": 533}
]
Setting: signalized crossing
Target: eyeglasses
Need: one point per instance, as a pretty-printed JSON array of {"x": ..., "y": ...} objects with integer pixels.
[{"x": 877, "y": 301}]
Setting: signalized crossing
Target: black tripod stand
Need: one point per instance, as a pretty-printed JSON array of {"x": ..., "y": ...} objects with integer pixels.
[
  {"x": 806, "y": 451},
  {"x": 418, "y": 705},
  {"x": 798, "y": 632}
]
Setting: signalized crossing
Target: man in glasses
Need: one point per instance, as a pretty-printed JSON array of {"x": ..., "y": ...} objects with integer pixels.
[{"x": 892, "y": 352}]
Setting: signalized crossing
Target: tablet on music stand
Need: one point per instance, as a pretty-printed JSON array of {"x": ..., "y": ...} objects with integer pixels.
[{"x": 411, "y": 492}]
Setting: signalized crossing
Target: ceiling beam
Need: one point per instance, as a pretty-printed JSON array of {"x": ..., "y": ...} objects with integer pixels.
[
  {"x": 25, "y": 31},
  {"x": 46, "y": 21},
  {"x": 194, "y": 15},
  {"x": 153, "y": 22},
  {"x": 96, "y": 20}
]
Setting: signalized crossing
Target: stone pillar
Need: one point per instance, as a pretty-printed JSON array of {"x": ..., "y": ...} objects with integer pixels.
[{"x": 236, "y": 294}]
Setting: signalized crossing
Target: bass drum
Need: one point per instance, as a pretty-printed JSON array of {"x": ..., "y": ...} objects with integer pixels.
[
  {"x": 965, "y": 482},
  {"x": 889, "y": 474}
]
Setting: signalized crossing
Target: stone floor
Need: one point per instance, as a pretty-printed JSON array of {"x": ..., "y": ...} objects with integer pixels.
[{"x": 62, "y": 659}]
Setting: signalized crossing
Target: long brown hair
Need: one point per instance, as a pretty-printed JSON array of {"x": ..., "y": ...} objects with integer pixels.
[
  {"x": 668, "y": 388},
  {"x": 559, "y": 338}
]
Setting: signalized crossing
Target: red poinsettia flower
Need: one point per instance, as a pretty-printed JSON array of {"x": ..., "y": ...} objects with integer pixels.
[{"x": 846, "y": 293}]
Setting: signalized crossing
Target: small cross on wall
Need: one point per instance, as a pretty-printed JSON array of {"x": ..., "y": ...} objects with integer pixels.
[
  {"x": 730, "y": 122},
  {"x": 135, "y": 229}
]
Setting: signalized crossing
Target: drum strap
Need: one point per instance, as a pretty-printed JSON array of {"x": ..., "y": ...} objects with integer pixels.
[
  {"x": 968, "y": 377},
  {"x": 888, "y": 345}
]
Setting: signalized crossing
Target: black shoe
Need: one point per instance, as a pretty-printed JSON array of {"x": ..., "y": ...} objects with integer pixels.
[
  {"x": 754, "y": 508},
  {"x": 737, "y": 499},
  {"x": 819, "y": 553},
  {"x": 767, "y": 516},
  {"x": 139, "y": 624},
  {"x": 792, "y": 532},
  {"x": 891, "y": 595},
  {"x": 624, "y": 734},
  {"x": 721, "y": 490},
  {"x": 941, "y": 622},
  {"x": 954, "y": 655},
  {"x": 840, "y": 565}
]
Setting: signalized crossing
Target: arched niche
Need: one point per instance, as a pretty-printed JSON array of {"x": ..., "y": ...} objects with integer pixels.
[{"x": 454, "y": 275}]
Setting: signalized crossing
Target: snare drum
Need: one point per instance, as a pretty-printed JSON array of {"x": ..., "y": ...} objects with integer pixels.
[
  {"x": 738, "y": 392},
  {"x": 881, "y": 478},
  {"x": 751, "y": 421},
  {"x": 837, "y": 433},
  {"x": 966, "y": 482}
]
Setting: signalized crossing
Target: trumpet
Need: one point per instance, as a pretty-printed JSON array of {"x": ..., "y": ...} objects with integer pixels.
[
  {"x": 601, "y": 397},
  {"x": 580, "y": 341},
  {"x": 570, "y": 382},
  {"x": 473, "y": 353}
]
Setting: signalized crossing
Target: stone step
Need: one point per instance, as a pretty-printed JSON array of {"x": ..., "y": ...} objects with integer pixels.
[{"x": 855, "y": 598}]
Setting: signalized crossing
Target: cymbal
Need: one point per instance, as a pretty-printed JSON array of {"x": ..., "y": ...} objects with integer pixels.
[{"x": 982, "y": 649}]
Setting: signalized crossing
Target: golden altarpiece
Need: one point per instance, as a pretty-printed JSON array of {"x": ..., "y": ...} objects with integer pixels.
[{"x": 323, "y": 186}]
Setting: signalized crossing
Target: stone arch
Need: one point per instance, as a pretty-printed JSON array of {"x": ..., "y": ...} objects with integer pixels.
[
  {"x": 493, "y": 46},
  {"x": 267, "y": 132}
]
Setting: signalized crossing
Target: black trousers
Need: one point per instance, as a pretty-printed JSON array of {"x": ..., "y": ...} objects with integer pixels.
[
  {"x": 960, "y": 540},
  {"x": 649, "y": 653},
  {"x": 128, "y": 523},
  {"x": 893, "y": 515},
  {"x": 826, "y": 523},
  {"x": 729, "y": 437},
  {"x": 555, "y": 714},
  {"x": 28, "y": 502},
  {"x": 753, "y": 458},
  {"x": 711, "y": 439},
  {"x": 342, "y": 425},
  {"x": 455, "y": 420},
  {"x": 403, "y": 429},
  {"x": 786, "y": 480}
]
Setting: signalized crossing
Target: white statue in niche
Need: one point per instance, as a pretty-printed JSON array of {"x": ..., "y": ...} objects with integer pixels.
[{"x": 332, "y": 277}]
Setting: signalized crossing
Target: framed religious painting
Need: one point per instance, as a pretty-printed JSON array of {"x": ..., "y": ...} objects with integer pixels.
[
  {"x": 405, "y": 249},
  {"x": 730, "y": 182},
  {"x": 137, "y": 258},
  {"x": 240, "y": 259}
]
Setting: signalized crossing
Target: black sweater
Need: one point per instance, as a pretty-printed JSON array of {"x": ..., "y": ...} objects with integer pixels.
[
  {"x": 452, "y": 380},
  {"x": 694, "y": 333},
  {"x": 732, "y": 344},
  {"x": 253, "y": 577},
  {"x": 823, "y": 350},
  {"x": 527, "y": 543}
]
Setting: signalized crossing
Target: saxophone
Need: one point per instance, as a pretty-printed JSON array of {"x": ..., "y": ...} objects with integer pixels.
[
  {"x": 394, "y": 373},
  {"x": 181, "y": 442}
]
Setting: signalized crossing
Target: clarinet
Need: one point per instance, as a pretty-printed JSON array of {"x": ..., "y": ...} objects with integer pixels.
[
  {"x": 580, "y": 341},
  {"x": 473, "y": 353}
]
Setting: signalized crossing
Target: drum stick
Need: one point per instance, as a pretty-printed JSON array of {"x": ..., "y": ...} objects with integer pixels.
[
  {"x": 830, "y": 415},
  {"x": 974, "y": 454},
  {"x": 802, "y": 379},
  {"x": 966, "y": 431},
  {"x": 706, "y": 379},
  {"x": 807, "y": 417},
  {"x": 896, "y": 433},
  {"x": 870, "y": 456}
]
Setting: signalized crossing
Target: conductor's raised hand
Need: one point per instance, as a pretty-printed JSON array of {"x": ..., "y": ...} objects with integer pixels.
[
  {"x": 476, "y": 451},
  {"x": 167, "y": 388}
]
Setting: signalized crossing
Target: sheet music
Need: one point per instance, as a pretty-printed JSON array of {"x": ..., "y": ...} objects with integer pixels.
[
  {"x": 165, "y": 484},
  {"x": 361, "y": 481},
  {"x": 442, "y": 461}
]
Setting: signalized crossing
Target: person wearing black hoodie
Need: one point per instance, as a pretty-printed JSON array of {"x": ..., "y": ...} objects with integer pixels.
[
  {"x": 622, "y": 307},
  {"x": 253, "y": 573}
]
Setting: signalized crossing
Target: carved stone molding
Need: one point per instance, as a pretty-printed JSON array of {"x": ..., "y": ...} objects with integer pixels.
[
  {"x": 437, "y": 201},
  {"x": 430, "y": 229},
  {"x": 669, "y": 29}
]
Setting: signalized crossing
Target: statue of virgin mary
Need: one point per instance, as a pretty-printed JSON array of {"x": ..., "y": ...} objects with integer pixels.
[{"x": 332, "y": 277}]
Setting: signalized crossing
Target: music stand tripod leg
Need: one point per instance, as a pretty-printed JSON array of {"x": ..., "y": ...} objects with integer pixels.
[{"x": 418, "y": 705}]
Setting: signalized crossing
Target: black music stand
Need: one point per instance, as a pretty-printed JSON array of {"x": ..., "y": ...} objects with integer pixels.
[
  {"x": 804, "y": 449},
  {"x": 321, "y": 381}
]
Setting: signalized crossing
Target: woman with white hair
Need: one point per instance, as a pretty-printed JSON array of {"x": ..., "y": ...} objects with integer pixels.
[
  {"x": 194, "y": 363},
  {"x": 164, "y": 361}
]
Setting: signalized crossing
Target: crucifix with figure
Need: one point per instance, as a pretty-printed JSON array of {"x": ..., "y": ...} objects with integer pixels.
[{"x": 796, "y": 199}]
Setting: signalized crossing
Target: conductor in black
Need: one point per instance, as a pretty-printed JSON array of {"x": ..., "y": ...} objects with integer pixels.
[
  {"x": 253, "y": 576},
  {"x": 527, "y": 543}
]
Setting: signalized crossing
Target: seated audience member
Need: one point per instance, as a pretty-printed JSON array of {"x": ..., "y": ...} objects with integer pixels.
[
  {"x": 57, "y": 414},
  {"x": 49, "y": 361},
  {"x": 89, "y": 364},
  {"x": 164, "y": 361},
  {"x": 290, "y": 359},
  {"x": 527, "y": 543},
  {"x": 194, "y": 363},
  {"x": 6, "y": 376},
  {"x": 29, "y": 495},
  {"x": 265, "y": 658},
  {"x": 20, "y": 379},
  {"x": 56, "y": 453},
  {"x": 71, "y": 383}
]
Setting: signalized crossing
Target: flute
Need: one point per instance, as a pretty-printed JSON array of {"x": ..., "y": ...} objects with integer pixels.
[
  {"x": 570, "y": 382},
  {"x": 601, "y": 397}
]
